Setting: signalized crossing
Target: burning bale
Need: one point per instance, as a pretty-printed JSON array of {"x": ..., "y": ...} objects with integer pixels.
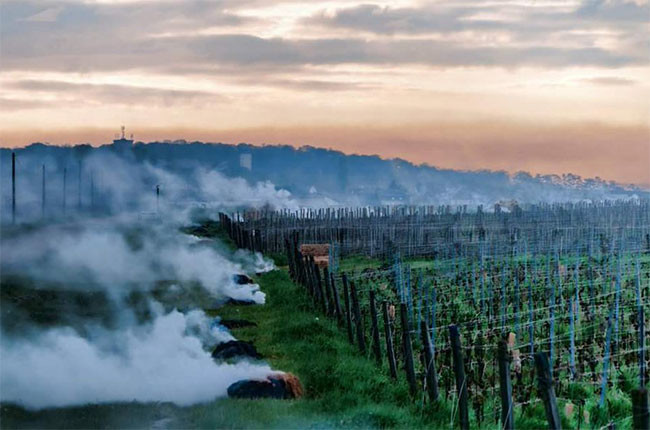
[
  {"x": 241, "y": 279},
  {"x": 235, "y": 348},
  {"x": 275, "y": 386},
  {"x": 320, "y": 252}
]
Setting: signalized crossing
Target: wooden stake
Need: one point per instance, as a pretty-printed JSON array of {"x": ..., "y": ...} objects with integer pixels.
[
  {"x": 640, "y": 415},
  {"x": 65, "y": 183},
  {"x": 43, "y": 192},
  {"x": 408, "y": 350},
  {"x": 337, "y": 301},
  {"x": 507, "y": 423},
  {"x": 376, "y": 346},
  {"x": 13, "y": 187},
  {"x": 390, "y": 351},
  {"x": 361, "y": 340},
  {"x": 546, "y": 391},
  {"x": 348, "y": 316},
  {"x": 461, "y": 379},
  {"x": 431, "y": 376}
]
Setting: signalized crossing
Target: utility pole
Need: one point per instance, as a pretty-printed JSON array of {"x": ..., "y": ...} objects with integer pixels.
[
  {"x": 13, "y": 187},
  {"x": 65, "y": 174},
  {"x": 79, "y": 189},
  {"x": 43, "y": 193},
  {"x": 92, "y": 192}
]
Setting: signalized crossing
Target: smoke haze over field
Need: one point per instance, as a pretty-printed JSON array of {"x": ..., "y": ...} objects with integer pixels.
[
  {"x": 101, "y": 298},
  {"x": 191, "y": 175},
  {"x": 158, "y": 362},
  {"x": 131, "y": 340}
]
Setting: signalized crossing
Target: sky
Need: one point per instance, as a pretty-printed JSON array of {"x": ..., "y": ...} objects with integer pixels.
[{"x": 545, "y": 86}]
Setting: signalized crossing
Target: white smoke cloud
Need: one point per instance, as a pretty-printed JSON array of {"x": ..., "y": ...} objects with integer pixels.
[
  {"x": 237, "y": 192},
  {"x": 111, "y": 182},
  {"x": 166, "y": 357},
  {"x": 98, "y": 255},
  {"x": 256, "y": 262},
  {"x": 160, "y": 362}
]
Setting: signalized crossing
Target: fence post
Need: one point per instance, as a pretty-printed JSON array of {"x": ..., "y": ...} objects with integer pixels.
[
  {"x": 348, "y": 317},
  {"x": 430, "y": 366},
  {"x": 408, "y": 350},
  {"x": 79, "y": 186},
  {"x": 65, "y": 179},
  {"x": 328, "y": 292},
  {"x": 546, "y": 391},
  {"x": 309, "y": 278},
  {"x": 461, "y": 380},
  {"x": 13, "y": 188},
  {"x": 641, "y": 418},
  {"x": 361, "y": 340},
  {"x": 319, "y": 285},
  {"x": 572, "y": 340},
  {"x": 337, "y": 302},
  {"x": 505, "y": 386},
  {"x": 376, "y": 346},
  {"x": 43, "y": 192},
  {"x": 641, "y": 347},
  {"x": 290, "y": 260},
  {"x": 390, "y": 351},
  {"x": 606, "y": 354}
]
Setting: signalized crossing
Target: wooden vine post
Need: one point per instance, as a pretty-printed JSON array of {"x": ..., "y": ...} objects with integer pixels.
[
  {"x": 319, "y": 286},
  {"x": 361, "y": 339},
  {"x": 390, "y": 351},
  {"x": 408, "y": 350},
  {"x": 337, "y": 302},
  {"x": 546, "y": 391},
  {"x": 461, "y": 379},
  {"x": 348, "y": 315},
  {"x": 431, "y": 377},
  {"x": 505, "y": 386},
  {"x": 376, "y": 346},
  {"x": 640, "y": 415}
]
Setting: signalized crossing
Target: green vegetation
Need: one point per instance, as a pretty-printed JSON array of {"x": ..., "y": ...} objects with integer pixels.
[
  {"x": 459, "y": 294},
  {"x": 346, "y": 390},
  {"x": 342, "y": 389}
]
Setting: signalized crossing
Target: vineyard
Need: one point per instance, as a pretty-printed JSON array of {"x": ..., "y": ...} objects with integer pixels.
[{"x": 523, "y": 317}]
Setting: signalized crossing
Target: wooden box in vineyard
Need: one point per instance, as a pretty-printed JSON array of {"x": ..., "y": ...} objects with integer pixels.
[{"x": 320, "y": 252}]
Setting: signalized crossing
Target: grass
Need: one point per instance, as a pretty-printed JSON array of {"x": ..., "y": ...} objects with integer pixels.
[{"x": 342, "y": 388}]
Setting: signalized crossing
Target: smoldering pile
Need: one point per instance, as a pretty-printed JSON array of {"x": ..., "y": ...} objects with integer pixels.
[{"x": 276, "y": 386}]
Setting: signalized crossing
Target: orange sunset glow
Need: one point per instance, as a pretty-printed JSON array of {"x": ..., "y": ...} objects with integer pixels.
[{"x": 543, "y": 86}]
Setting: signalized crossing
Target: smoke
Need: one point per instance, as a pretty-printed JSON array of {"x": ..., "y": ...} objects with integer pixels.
[
  {"x": 104, "y": 182},
  {"x": 161, "y": 356},
  {"x": 158, "y": 362},
  {"x": 118, "y": 258},
  {"x": 103, "y": 309}
]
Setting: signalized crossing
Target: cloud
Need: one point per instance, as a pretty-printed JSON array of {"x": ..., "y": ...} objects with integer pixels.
[
  {"x": 91, "y": 37},
  {"x": 614, "y": 11},
  {"x": 14, "y": 104},
  {"x": 482, "y": 16},
  {"x": 611, "y": 81},
  {"x": 47, "y": 15},
  {"x": 68, "y": 93}
]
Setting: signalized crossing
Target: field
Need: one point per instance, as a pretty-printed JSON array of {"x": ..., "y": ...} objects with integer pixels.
[
  {"x": 290, "y": 337},
  {"x": 575, "y": 293},
  {"x": 575, "y": 296}
]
